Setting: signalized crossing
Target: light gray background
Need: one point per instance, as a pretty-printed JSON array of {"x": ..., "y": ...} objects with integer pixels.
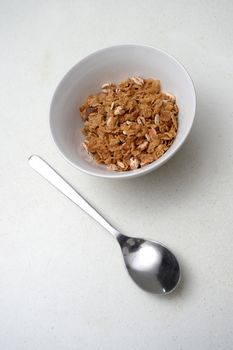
[{"x": 62, "y": 280}]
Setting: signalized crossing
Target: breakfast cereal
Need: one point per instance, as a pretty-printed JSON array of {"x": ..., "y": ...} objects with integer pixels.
[{"x": 130, "y": 124}]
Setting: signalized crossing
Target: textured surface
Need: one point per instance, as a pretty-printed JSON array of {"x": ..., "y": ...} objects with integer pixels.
[{"x": 62, "y": 282}]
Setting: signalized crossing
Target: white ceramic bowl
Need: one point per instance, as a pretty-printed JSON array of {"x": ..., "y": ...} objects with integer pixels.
[{"x": 114, "y": 64}]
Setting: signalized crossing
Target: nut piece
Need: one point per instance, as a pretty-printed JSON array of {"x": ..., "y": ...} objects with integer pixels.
[
  {"x": 120, "y": 164},
  {"x": 85, "y": 146},
  {"x": 172, "y": 97},
  {"x": 141, "y": 120},
  {"x": 157, "y": 119},
  {"x": 147, "y": 137},
  {"x": 137, "y": 80},
  {"x": 143, "y": 145},
  {"x": 119, "y": 111},
  {"x": 108, "y": 122},
  {"x": 106, "y": 85},
  {"x": 133, "y": 163},
  {"x": 112, "y": 105},
  {"x": 112, "y": 167}
]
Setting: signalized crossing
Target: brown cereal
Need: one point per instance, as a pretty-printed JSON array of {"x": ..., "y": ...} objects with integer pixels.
[{"x": 129, "y": 125}]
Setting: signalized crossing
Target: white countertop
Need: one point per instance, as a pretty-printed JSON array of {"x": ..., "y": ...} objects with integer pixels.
[{"x": 62, "y": 281}]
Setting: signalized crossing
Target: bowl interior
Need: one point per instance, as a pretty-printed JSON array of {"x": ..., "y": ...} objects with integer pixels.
[{"x": 114, "y": 64}]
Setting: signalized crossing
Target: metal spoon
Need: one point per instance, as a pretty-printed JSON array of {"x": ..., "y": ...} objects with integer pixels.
[{"x": 151, "y": 265}]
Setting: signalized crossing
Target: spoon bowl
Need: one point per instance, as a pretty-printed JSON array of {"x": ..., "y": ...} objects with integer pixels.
[{"x": 152, "y": 266}]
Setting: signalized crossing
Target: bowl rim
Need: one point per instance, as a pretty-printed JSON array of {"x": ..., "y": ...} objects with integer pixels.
[{"x": 147, "y": 168}]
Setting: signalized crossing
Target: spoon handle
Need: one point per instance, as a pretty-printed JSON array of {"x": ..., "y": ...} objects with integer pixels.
[{"x": 45, "y": 170}]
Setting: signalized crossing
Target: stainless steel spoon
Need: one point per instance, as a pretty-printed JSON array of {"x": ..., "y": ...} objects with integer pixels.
[{"x": 151, "y": 265}]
